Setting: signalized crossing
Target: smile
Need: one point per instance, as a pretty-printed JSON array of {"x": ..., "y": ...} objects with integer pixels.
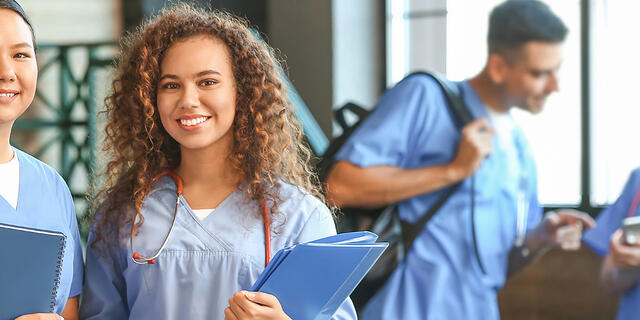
[
  {"x": 192, "y": 121},
  {"x": 7, "y": 95}
]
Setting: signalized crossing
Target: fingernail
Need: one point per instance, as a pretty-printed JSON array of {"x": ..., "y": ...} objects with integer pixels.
[{"x": 249, "y": 295}]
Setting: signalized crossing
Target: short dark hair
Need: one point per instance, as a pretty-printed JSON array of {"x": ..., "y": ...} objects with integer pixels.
[
  {"x": 516, "y": 22},
  {"x": 14, "y": 6}
]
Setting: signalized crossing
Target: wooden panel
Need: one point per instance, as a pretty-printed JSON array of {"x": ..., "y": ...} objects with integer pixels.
[{"x": 562, "y": 285}]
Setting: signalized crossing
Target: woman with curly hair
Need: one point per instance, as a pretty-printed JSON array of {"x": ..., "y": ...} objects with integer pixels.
[{"x": 207, "y": 177}]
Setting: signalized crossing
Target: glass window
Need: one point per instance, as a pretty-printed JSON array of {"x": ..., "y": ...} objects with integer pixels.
[{"x": 615, "y": 112}]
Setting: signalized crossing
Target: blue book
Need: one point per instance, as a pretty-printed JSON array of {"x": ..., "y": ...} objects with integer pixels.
[
  {"x": 30, "y": 266},
  {"x": 311, "y": 280}
]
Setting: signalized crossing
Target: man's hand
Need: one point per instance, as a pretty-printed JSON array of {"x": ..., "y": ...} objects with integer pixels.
[
  {"x": 245, "y": 305},
  {"x": 475, "y": 145},
  {"x": 564, "y": 228}
]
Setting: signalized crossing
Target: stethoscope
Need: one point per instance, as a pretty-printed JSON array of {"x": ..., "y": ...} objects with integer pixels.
[{"x": 140, "y": 259}]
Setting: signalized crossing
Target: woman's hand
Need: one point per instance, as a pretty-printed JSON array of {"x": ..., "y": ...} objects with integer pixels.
[
  {"x": 40, "y": 316},
  {"x": 245, "y": 305}
]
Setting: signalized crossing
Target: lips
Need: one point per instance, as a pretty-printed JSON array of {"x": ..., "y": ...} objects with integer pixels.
[{"x": 7, "y": 95}]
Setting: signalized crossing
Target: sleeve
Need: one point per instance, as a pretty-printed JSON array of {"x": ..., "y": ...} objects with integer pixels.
[
  {"x": 104, "y": 295},
  {"x": 319, "y": 225},
  {"x": 394, "y": 128},
  {"x": 610, "y": 219}
]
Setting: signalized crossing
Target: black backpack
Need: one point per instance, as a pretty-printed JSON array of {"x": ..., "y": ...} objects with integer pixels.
[{"x": 384, "y": 221}]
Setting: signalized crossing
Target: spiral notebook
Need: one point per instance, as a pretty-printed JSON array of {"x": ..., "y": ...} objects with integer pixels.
[
  {"x": 30, "y": 266},
  {"x": 311, "y": 280}
]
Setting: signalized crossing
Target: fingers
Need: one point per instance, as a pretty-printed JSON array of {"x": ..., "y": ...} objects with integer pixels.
[
  {"x": 262, "y": 298},
  {"x": 239, "y": 305},
  {"x": 570, "y": 216},
  {"x": 623, "y": 255},
  {"x": 229, "y": 315},
  {"x": 569, "y": 237}
]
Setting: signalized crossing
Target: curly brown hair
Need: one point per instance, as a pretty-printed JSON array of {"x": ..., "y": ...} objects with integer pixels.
[{"x": 268, "y": 141}]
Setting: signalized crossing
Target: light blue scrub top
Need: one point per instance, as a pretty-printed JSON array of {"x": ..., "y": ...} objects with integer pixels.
[
  {"x": 608, "y": 221},
  {"x": 44, "y": 202},
  {"x": 204, "y": 263},
  {"x": 440, "y": 278}
]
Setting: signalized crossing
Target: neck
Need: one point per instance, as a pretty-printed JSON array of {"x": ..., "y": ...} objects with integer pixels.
[
  {"x": 490, "y": 93},
  {"x": 6, "y": 154},
  {"x": 207, "y": 168}
]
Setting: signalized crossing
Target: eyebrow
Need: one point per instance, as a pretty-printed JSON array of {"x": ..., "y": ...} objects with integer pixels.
[
  {"x": 199, "y": 74},
  {"x": 21, "y": 45}
]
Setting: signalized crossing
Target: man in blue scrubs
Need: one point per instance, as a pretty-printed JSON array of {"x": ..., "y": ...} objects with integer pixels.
[
  {"x": 409, "y": 151},
  {"x": 620, "y": 257}
]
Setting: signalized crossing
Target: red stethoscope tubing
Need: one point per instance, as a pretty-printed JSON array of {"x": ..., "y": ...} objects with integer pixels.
[{"x": 139, "y": 259}]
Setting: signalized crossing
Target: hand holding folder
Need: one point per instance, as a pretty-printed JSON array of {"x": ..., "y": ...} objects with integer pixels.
[{"x": 311, "y": 280}]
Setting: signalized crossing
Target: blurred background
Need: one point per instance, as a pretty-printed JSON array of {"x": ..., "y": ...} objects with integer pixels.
[{"x": 339, "y": 51}]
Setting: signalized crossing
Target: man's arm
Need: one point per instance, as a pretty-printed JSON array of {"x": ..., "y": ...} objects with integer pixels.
[
  {"x": 558, "y": 229},
  {"x": 351, "y": 185}
]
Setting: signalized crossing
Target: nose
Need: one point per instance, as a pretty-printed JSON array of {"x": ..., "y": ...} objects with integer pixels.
[
  {"x": 7, "y": 72},
  {"x": 552, "y": 84},
  {"x": 190, "y": 97}
]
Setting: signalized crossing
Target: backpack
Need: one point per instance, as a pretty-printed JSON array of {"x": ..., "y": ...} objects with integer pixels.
[{"x": 385, "y": 221}]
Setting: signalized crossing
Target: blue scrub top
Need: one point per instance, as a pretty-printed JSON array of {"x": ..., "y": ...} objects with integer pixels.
[
  {"x": 608, "y": 221},
  {"x": 44, "y": 202},
  {"x": 205, "y": 261},
  {"x": 410, "y": 128}
]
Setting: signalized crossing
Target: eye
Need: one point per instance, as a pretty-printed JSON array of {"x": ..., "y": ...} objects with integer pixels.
[
  {"x": 206, "y": 83},
  {"x": 21, "y": 55},
  {"x": 170, "y": 85}
]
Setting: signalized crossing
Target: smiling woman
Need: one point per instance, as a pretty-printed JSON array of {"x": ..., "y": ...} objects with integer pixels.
[
  {"x": 31, "y": 193},
  {"x": 198, "y": 113}
]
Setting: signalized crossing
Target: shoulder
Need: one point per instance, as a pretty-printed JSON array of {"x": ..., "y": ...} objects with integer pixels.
[
  {"x": 46, "y": 175},
  {"x": 298, "y": 205}
]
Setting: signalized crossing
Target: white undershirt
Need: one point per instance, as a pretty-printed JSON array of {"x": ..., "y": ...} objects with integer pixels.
[
  {"x": 504, "y": 125},
  {"x": 10, "y": 177},
  {"x": 203, "y": 213}
]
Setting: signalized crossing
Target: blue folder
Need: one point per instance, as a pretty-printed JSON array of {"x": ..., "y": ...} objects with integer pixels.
[
  {"x": 30, "y": 266},
  {"x": 311, "y": 280}
]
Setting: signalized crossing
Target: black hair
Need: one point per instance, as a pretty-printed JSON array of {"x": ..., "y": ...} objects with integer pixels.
[
  {"x": 516, "y": 22},
  {"x": 14, "y": 6}
]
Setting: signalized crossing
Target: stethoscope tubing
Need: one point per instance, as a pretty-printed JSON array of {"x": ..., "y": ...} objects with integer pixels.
[{"x": 143, "y": 260}]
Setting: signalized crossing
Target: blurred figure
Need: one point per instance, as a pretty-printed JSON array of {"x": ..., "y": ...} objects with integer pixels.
[
  {"x": 616, "y": 274},
  {"x": 409, "y": 151}
]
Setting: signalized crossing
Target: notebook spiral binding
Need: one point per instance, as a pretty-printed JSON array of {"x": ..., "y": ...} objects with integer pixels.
[{"x": 56, "y": 280}]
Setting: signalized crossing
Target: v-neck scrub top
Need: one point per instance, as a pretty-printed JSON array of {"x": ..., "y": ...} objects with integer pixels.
[
  {"x": 205, "y": 261},
  {"x": 44, "y": 202}
]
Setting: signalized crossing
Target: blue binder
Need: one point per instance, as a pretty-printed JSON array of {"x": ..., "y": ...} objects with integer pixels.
[
  {"x": 30, "y": 266},
  {"x": 311, "y": 280}
]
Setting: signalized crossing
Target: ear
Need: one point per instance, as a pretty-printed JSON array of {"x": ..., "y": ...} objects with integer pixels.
[{"x": 497, "y": 67}]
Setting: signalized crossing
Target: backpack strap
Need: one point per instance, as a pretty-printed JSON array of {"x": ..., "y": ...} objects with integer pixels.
[{"x": 462, "y": 116}]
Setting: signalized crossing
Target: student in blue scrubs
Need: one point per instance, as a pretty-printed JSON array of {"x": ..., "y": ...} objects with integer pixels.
[
  {"x": 606, "y": 240},
  {"x": 409, "y": 151},
  {"x": 31, "y": 193},
  {"x": 199, "y": 95}
]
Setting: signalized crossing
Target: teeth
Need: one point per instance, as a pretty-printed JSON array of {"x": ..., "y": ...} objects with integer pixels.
[
  {"x": 7, "y": 95},
  {"x": 193, "y": 122}
]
